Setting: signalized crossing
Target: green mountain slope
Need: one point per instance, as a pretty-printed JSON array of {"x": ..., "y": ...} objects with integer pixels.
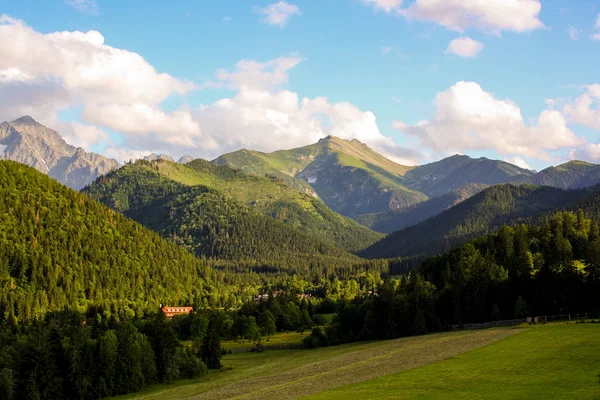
[
  {"x": 571, "y": 175},
  {"x": 440, "y": 177},
  {"x": 479, "y": 215},
  {"x": 396, "y": 220},
  {"x": 219, "y": 195},
  {"x": 351, "y": 178},
  {"x": 59, "y": 248}
]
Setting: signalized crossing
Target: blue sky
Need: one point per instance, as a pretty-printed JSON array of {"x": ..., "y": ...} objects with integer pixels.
[{"x": 372, "y": 54}]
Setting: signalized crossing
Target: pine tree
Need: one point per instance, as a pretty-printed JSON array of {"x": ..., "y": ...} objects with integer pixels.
[
  {"x": 211, "y": 345},
  {"x": 165, "y": 349}
]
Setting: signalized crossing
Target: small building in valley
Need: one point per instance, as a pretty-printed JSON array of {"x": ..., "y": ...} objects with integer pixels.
[{"x": 170, "y": 312}]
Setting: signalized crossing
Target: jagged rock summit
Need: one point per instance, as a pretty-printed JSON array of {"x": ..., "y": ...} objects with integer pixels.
[{"x": 26, "y": 141}]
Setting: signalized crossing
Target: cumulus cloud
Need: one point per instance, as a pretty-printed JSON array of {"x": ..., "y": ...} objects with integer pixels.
[
  {"x": 277, "y": 13},
  {"x": 83, "y": 63},
  {"x": 85, "y": 136},
  {"x": 587, "y": 152},
  {"x": 117, "y": 89},
  {"x": 250, "y": 74},
  {"x": 518, "y": 161},
  {"x": 465, "y": 47},
  {"x": 275, "y": 120},
  {"x": 85, "y": 6},
  {"x": 468, "y": 118},
  {"x": 459, "y": 15},
  {"x": 585, "y": 109}
]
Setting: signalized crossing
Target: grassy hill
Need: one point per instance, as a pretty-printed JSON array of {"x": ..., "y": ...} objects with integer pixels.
[
  {"x": 556, "y": 360},
  {"x": 395, "y": 220},
  {"x": 451, "y": 173},
  {"x": 137, "y": 186},
  {"x": 350, "y": 177},
  {"x": 481, "y": 214},
  {"x": 574, "y": 174}
]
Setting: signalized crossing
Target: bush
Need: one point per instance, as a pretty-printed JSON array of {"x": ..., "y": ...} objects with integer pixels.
[
  {"x": 319, "y": 320},
  {"x": 190, "y": 366}
]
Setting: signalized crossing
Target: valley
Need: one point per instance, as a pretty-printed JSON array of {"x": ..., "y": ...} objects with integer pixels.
[{"x": 358, "y": 199}]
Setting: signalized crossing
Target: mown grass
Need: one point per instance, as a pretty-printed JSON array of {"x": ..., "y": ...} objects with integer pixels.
[
  {"x": 279, "y": 339},
  {"x": 291, "y": 374},
  {"x": 557, "y": 361}
]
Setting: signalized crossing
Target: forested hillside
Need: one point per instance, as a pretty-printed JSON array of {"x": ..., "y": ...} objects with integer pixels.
[
  {"x": 156, "y": 185},
  {"x": 525, "y": 270},
  {"x": 479, "y": 215},
  {"x": 58, "y": 248},
  {"x": 396, "y": 220}
]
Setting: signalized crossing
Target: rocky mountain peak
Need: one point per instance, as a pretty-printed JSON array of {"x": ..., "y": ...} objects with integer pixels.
[
  {"x": 25, "y": 120},
  {"x": 26, "y": 141}
]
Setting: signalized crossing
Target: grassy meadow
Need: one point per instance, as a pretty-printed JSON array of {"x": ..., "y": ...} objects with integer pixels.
[{"x": 550, "y": 361}]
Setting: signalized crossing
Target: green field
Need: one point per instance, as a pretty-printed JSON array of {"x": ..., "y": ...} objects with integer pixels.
[
  {"x": 551, "y": 361},
  {"x": 279, "y": 339},
  {"x": 556, "y": 361}
]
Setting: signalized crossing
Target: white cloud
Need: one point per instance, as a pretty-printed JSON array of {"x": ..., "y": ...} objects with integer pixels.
[
  {"x": 85, "y": 6},
  {"x": 465, "y": 47},
  {"x": 124, "y": 155},
  {"x": 64, "y": 69},
  {"x": 275, "y": 120},
  {"x": 585, "y": 109},
  {"x": 459, "y": 15},
  {"x": 595, "y": 37},
  {"x": 518, "y": 161},
  {"x": 597, "y": 25},
  {"x": 469, "y": 118},
  {"x": 84, "y": 136},
  {"x": 83, "y": 63},
  {"x": 250, "y": 74},
  {"x": 277, "y": 13},
  {"x": 176, "y": 128},
  {"x": 587, "y": 152},
  {"x": 385, "y": 5},
  {"x": 573, "y": 32}
]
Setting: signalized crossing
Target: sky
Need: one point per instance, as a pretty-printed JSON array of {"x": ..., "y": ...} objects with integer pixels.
[{"x": 417, "y": 80}]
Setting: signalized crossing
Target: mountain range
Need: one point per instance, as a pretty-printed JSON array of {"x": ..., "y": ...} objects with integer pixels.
[
  {"x": 352, "y": 179},
  {"x": 313, "y": 189}
]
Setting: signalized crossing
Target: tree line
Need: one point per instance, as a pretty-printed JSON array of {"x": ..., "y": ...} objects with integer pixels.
[{"x": 523, "y": 270}]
